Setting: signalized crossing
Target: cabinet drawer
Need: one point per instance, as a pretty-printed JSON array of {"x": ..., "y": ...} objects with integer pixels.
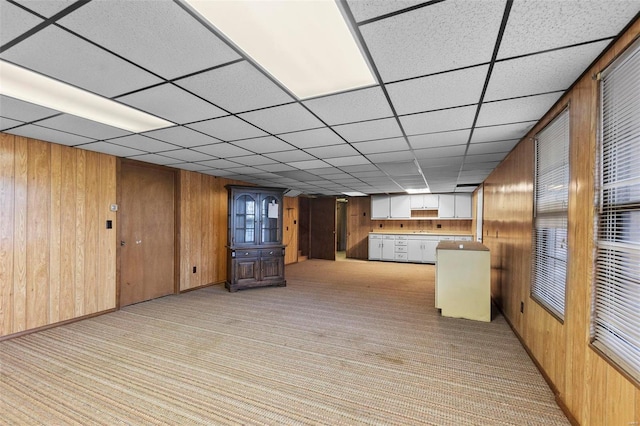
[
  {"x": 273, "y": 252},
  {"x": 401, "y": 249},
  {"x": 402, "y": 257},
  {"x": 447, "y": 238},
  {"x": 389, "y": 237},
  {"x": 401, "y": 237},
  {"x": 401, "y": 243},
  {"x": 244, "y": 253}
]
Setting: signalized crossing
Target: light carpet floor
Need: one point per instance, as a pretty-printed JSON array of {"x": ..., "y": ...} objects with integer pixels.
[{"x": 345, "y": 343}]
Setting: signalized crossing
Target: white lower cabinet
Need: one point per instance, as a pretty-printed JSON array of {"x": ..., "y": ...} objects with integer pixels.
[
  {"x": 416, "y": 248},
  {"x": 422, "y": 249}
]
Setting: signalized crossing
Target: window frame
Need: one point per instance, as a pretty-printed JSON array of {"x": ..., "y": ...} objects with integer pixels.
[
  {"x": 542, "y": 291},
  {"x": 606, "y": 338}
]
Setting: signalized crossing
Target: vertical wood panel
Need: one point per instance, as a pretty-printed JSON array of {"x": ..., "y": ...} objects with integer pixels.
[
  {"x": 207, "y": 260},
  {"x": 80, "y": 203},
  {"x": 106, "y": 294},
  {"x": 54, "y": 234},
  {"x": 92, "y": 175},
  {"x": 195, "y": 225},
  {"x": 290, "y": 231},
  {"x": 37, "y": 233},
  {"x": 20, "y": 236},
  {"x": 68, "y": 234},
  {"x": 7, "y": 226}
]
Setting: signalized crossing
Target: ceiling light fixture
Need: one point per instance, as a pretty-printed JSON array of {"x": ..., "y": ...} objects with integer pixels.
[
  {"x": 306, "y": 45},
  {"x": 355, "y": 194},
  {"x": 29, "y": 86},
  {"x": 418, "y": 191}
]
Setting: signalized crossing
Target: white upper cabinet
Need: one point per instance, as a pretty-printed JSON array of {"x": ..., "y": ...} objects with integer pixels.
[
  {"x": 400, "y": 206},
  {"x": 424, "y": 202},
  {"x": 380, "y": 207}
]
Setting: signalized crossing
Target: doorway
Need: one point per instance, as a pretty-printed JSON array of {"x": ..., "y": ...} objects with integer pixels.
[
  {"x": 147, "y": 232},
  {"x": 341, "y": 228}
]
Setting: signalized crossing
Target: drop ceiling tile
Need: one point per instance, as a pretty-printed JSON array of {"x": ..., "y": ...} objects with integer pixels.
[
  {"x": 188, "y": 155},
  {"x": 278, "y": 167},
  {"x": 254, "y": 160},
  {"x": 193, "y": 167},
  {"x": 432, "y": 140},
  {"x": 545, "y": 72},
  {"x": 143, "y": 143},
  {"x": 399, "y": 168},
  {"x": 439, "y": 121},
  {"x": 23, "y": 111},
  {"x": 15, "y": 22},
  {"x": 332, "y": 151},
  {"x": 436, "y": 163},
  {"x": 326, "y": 171},
  {"x": 308, "y": 164},
  {"x": 490, "y": 165},
  {"x": 82, "y": 126},
  {"x": 484, "y": 158},
  {"x": 58, "y": 54},
  {"x": 264, "y": 144},
  {"x": 154, "y": 159},
  {"x": 222, "y": 150},
  {"x": 349, "y": 107},
  {"x": 237, "y": 87},
  {"x": 501, "y": 133},
  {"x": 219, "y": 164},
  {"x": 368, "y": 175},
  {"x": 282, "y": 119},
  {"x": 7, "y": 123},
  {"x": 172, "y": 103},
  {"x": 289, "y": 156},
  {"x": 532, "y": 28},
  {"x": 312, "y": 138},
  {"x": 111, "y": 149},
  {"x": 337, "y": 176},
  {"x": 387, "y": 157},
  {"x": 217, "y": 172},
  {"x": 366, "y": 9},
  {"x": 177, "y": 45},
  {"x": 182, "y": 136},
  {"x": 492, "y": 147},
  {"x": 438, "y": 91},
  {"x": 459, "y": 32},
  {"x": 46, "y": 8},
  {"x": 359, "y": 168},
  {"x": 369, "y": 130},
  {"x": 445, "y": 151},
  {"x": 245, "y": 170},
  {"x": 348, "y": 161},
  {"x": 381, "y": 145},
  {"x": 49, "y": 135},
  {"x": 516, "y": 110},
  {"x": 227, "y": 128}
]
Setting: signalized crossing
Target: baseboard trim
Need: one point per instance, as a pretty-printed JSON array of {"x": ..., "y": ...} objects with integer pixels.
[
  {"x": 55, "y": 324},
  {"x": 552, "y": 386},
  {"x": 200, "y": 287}
]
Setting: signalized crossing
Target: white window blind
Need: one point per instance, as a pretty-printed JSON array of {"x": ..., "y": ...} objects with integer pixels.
[
  {"x": 550, "y": 209},
  {"x": 616, "y": 311}
]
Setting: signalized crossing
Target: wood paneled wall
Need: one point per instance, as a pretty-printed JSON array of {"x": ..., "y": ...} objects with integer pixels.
[
  {"x": 359, "y": 224},
  {"x": 590, "y": 388},
  {"x": 202, "y": 229},
  {"x": 290, "y": 231},
  {"x": 57, "y": 259}
]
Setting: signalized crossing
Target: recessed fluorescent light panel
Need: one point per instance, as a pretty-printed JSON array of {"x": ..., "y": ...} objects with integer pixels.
[
  {"x": 355, "y": 194},
  {"x": 418, "y": 191},
  {"x": 304, "y": 44},
  {"x": 30, "y": 86}
]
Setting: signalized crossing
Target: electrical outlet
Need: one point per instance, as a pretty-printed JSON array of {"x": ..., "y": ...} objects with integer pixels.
[
  {"x": 439, "y": 226},
  {"x": 194, "y": 269},
  {"x": 522, "y": 307}
]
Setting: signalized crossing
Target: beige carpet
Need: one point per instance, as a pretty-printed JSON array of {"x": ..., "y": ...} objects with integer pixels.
[{"x": 344, "y": 343}]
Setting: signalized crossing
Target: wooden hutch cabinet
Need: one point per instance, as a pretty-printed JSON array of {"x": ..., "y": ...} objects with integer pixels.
[{"x": 255, "y": 250}]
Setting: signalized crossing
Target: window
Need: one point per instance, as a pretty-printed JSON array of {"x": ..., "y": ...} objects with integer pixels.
[
  {"x": 550, "y": 215},
  {"x": 616, "y": 311}
]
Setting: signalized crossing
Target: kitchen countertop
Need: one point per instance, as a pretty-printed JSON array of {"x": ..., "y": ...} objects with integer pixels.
[
  {"x": 463, "y": 246},
  {"x": 465, "y": 234}
]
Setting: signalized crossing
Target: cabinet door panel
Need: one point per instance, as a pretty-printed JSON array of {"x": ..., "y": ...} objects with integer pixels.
[
  {"x": 375, "y": 247},
  {"x": 400, "y": 206},
  {"x": 414, "y": 250},
  {"x": 246, "y": 271},
  {"x": 272, "y": 268},
  {"x": 447, "y": 206},
  {"x": 379, "y": 207}
]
